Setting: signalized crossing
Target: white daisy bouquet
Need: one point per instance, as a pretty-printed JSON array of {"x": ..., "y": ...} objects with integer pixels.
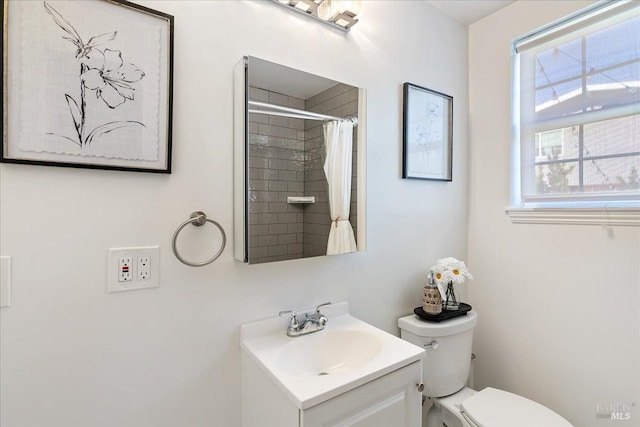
[{"x": 446, "y": 273}]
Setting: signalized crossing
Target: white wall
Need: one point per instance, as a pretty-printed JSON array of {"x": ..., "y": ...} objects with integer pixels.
[
  {"x": 71, "y": 354},
  {"x": 558, "y": 305}
]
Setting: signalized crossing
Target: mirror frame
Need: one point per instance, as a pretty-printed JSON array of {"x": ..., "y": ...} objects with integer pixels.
[{"x": 241, "y": 163}]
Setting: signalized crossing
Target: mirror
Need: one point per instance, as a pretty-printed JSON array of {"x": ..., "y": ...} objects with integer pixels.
[{"x": 292, "y": 129}]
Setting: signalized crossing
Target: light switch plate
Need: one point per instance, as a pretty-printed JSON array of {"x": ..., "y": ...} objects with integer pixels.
[
  {"x": 5, "y": 281},
  {"x": 147, "y": 257}
]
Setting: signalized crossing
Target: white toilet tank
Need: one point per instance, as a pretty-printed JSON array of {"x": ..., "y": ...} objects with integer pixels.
[{"x": 448, "y": 345}]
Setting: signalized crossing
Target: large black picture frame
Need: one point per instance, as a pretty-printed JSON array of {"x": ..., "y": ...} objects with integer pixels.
[{"x": 106, "y": 98}]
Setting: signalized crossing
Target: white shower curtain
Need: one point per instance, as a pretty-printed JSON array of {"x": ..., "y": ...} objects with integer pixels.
[{"x": 338, "y": 138}]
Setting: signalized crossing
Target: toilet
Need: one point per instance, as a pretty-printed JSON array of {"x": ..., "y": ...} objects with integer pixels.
[{"x": 446, "y": 371}]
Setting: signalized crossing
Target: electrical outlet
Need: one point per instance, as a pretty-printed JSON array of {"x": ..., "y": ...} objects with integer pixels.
[
  {"x": 125, "y": 269},
  {"x": 133, "y": 268},
  {"x": 144, "y": 267}
]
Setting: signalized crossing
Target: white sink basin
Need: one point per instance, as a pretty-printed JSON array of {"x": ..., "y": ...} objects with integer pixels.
[
  {"x": 315, "y": 367},
  {"x": 329, "y": 352}
]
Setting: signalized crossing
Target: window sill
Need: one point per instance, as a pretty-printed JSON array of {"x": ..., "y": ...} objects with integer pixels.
[{"x": 576, "y": 216}]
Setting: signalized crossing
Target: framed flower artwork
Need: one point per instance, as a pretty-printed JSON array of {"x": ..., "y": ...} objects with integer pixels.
[
  {"x": 87, "y": 84},
  {"x": 427, "y": 134}
]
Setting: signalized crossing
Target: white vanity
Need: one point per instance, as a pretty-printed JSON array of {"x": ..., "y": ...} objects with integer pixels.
[{"x": 349, "y": 373}]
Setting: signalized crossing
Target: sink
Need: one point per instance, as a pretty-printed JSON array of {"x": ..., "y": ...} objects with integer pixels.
[
  {"x": 329, "y": 353},
  {"x": 312, "y": 368}
]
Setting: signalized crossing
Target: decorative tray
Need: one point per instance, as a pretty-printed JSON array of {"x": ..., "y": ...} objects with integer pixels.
[{"x": 446, "y": 314}]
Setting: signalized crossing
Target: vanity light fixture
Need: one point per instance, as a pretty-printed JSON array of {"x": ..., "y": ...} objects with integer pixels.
[
  {"x": 341, "y": 14},
  {"x": 307, "y": 6}
]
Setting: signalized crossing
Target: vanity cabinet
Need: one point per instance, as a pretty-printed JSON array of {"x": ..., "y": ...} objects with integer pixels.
[
  {"x": 348, "y": 374},
  {"x": 390, "y": 400}
]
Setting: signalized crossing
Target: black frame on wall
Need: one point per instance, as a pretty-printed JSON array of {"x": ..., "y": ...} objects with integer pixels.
[
  {"x": 121, "y": 82},
  {"x": 427, "y": 129}
]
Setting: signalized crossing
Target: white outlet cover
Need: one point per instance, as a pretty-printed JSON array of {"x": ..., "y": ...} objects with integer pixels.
[{"x": 153, "y": 280}]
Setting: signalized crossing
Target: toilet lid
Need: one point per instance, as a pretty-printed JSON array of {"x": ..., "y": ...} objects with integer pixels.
[{"x": 492, "y": 408}]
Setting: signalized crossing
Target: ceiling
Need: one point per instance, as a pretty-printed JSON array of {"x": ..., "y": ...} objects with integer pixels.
[{"x": 470, "y": 11}]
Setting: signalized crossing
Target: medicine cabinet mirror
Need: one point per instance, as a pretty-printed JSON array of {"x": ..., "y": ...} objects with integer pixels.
[{"x": 292, "y": 129}]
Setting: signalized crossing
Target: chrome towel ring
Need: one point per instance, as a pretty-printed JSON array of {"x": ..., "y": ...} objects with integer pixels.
[{"x": 198, "y": 218}]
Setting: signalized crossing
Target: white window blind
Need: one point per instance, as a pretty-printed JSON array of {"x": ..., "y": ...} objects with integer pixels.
[{"x": 577, "y": 109}]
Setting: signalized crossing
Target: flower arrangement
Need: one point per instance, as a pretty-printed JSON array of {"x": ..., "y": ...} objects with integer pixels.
[{"x": 449, "y": 271}]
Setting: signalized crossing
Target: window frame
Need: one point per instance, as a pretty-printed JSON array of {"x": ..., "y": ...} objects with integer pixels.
[{"x": 582, "y": 208}]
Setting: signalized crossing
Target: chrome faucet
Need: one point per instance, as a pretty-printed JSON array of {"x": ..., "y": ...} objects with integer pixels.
[{"x": 312, "y": 322}]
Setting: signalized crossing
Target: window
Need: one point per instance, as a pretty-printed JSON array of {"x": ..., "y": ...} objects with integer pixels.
[
  {"x": 577, "y": 111},
  {"x": 549, "y": 144}
]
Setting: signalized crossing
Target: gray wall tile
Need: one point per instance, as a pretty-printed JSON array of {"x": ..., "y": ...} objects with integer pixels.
[{"x": 286, "y": 160}]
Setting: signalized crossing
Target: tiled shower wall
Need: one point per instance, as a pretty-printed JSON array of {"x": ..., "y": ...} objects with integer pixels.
[
  {"x": 276, "y": 171},
  {"x": 285, "y": 159},
  {"x": 340, "y": 101}
]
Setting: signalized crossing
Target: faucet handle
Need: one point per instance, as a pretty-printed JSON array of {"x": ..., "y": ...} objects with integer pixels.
[
  {"x": 326, "y": 304},
  {"x": 294, "y": 319}
]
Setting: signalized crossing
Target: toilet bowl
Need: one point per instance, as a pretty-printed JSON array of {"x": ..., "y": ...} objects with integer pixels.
[{"x": 446, "y": 371}]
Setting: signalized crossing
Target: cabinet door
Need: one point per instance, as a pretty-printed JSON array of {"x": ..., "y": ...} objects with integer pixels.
[{"x": 390, "y": 401}]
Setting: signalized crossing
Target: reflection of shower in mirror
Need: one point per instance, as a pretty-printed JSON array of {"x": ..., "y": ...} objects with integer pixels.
[{"x": 299, "y": 129}]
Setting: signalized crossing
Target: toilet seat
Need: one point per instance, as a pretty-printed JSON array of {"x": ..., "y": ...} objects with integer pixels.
[{"x": 492, "y": 408}]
